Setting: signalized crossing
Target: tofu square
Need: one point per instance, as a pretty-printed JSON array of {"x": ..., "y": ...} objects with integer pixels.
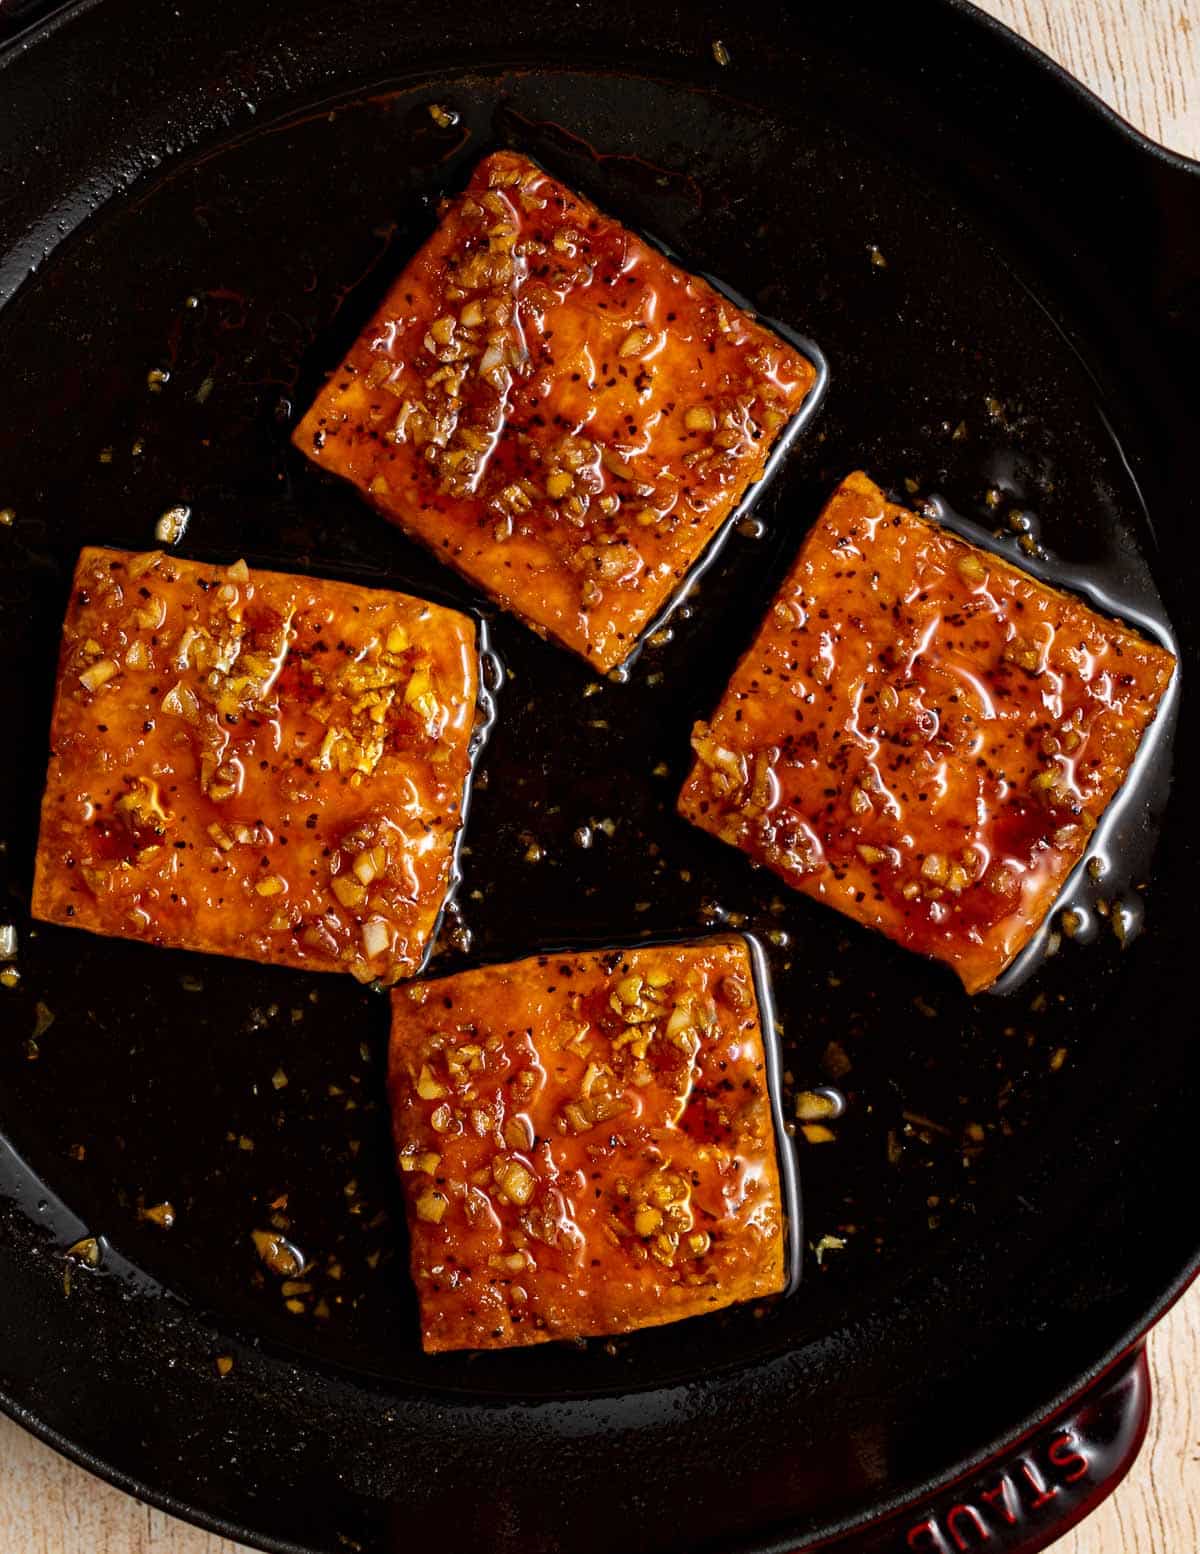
[
  {"x": 586, "y": 1143},
  {"x": 923, "y": 735},
  {"x": 255, "y": 764},
  {"x": 556, "y": 408}
]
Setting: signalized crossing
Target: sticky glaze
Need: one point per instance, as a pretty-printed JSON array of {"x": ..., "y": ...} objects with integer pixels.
[
  {"x": 256, "y": 764},
  {"x": 1106, "y": 895},
  {"x": 586, "y": 1143},
  {"x": 923, "y": 735},
  {"x": 557, "y": 408}
]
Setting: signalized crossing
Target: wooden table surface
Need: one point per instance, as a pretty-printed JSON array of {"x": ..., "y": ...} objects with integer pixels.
[{"x": 1143, "y": 57}]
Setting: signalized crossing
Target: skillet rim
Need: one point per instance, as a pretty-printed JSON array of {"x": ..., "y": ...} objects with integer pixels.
[{"x": 1005, "y": 38}]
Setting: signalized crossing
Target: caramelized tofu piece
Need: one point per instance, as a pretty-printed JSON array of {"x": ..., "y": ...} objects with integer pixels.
[
  {"x": 922, "y": 735},
  {"x": 556, "y": 408},
  {"x": 586, "y": 1144},
  {"x": 255, "y": 764}
]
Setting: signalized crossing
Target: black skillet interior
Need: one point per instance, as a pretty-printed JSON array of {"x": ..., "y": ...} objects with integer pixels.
[{"x": 993, "y": 270}]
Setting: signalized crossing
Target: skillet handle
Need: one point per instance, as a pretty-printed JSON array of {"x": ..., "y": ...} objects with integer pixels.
[{"x": 1027, "y": 1497}]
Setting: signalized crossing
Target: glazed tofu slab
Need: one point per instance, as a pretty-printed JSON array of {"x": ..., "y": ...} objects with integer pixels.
[
  {"x": 922, "y": 735},
  {"x": 255, "y": 764},
  {"x": 585, "y": 1143},
  {"x": 556, "y": 408}
]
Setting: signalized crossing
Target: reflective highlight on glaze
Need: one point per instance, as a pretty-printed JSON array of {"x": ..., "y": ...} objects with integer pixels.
[
  {"x": 922, "y": 735},
  {"x": 557, "y": 408},
  {"x": 256, "y": 764},
  {"x": 586, "y": 1143}
]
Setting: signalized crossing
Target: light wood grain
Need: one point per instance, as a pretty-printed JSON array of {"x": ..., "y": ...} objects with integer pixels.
[
  {"x": 1143, "y": 57},
  {"x": 48, "y": 1506},
  {"x": 1157, "y": 1508},
  {"x": 1140, "y": 56}
]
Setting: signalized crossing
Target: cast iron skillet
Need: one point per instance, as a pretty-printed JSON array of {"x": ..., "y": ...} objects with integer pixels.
[{"x": 224, "y": 199}]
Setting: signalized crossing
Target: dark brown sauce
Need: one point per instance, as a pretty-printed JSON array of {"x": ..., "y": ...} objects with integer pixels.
[{"x": 650, "y": 177}]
